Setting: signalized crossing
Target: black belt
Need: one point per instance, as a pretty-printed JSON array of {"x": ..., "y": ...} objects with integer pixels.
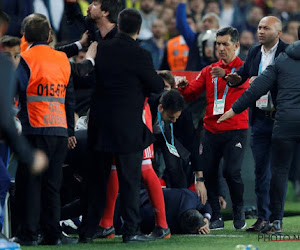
[{"x": 265, "y": 113}]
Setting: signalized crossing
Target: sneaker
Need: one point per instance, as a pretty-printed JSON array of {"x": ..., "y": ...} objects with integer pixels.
[
  {"x": 160, "y": 233},
  {"x": 239, "y": 221},
  {"x": 102, "y": 232},
  {"x": 273, "y": 228},
  {"x": 136, "y": 238},
  {"x": 217, "y": 224}
]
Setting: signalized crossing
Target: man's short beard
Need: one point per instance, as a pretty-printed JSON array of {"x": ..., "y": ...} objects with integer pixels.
[{"x": 147, "y": 11}]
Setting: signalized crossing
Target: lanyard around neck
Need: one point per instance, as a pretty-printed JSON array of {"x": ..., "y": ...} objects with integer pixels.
[
  {"x": 260, "y": 65},
  {"x": 162, "y": 130},
  {"x": 216, "y": 88}
]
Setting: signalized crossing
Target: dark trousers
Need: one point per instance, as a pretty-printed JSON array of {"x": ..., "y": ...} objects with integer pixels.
[
  {"x": 129, "y": 175},
  {"x": 282, "y": 155},
  {"x": 176, "y": 168},
  {"x": 230, "y": 146},
  {"x": 4, "y": 178},
  {"x": 261, "y": 137},
  {"x": 38, "y": 196}
]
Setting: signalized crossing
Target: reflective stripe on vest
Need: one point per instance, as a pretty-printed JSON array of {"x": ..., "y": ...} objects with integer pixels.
[
  {"x": 49, "y": 76},
  {"x": 177, "y": 53}
]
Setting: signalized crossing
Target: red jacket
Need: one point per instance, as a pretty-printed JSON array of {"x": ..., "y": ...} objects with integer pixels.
[{"x": 204, "y": 81}]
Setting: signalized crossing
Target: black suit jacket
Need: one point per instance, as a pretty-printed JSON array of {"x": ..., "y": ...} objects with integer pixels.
[
  {"x": 250, "y": 68},
  {"x": 186, "y": 141},
  {"x": 125, "y": 76}
]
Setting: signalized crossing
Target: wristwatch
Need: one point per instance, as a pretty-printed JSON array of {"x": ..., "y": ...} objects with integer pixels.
[{"x": 201, "y": 179}]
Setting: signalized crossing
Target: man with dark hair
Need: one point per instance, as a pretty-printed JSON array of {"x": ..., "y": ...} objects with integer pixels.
[
  {"x": 191, "y": 221},
  {"x": 8, "y": 132},
  {"x": 101, "y": 13},
  {"x": 37, "y": 29},
  {"x": 171, "y": 105},
  {"x": 47, "y": 118},
  {"x": 132, "y": 24},
  {"x": 35, "y": 161},
  {"x": 227, "y": 141},
  {"x": 125, "y": 77},
  {"x": 282, "y": 75},
  {"x": 11, "y": 46},
  {"x": 186, "y": 214},
  {"x": 261, "y": 113},
  {"x": 169, "y": 79}
]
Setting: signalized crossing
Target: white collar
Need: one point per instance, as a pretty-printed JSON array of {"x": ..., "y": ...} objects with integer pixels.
[{"x": 272, "y": 50}]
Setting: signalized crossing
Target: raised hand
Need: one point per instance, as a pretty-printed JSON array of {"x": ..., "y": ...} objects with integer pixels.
[{"x": 233, "y": 78}]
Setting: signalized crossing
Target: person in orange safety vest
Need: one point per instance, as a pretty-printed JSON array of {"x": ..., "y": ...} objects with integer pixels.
[{"x": 47, "y": 117}]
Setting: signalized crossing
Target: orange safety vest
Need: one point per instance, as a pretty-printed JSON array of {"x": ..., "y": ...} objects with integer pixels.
[
  {"x": 24, "y": 44},
  {"x": 177, "y": 53},
  {"x": 49, "y": 76}
]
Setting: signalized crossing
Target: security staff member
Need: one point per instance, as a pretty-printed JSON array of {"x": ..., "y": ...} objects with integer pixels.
[
  {"x": 175, "y": 55},
  {"x": 48, "y": 119}
]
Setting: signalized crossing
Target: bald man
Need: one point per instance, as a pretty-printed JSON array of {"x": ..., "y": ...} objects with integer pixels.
[{"x": 262, "y": 112}]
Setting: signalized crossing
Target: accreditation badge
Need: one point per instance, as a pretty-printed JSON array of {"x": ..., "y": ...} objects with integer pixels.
[
  {"x": 172, "y": 149},
  {"x": 262, "y": 102},
  {"x": 219, "y": 106}
]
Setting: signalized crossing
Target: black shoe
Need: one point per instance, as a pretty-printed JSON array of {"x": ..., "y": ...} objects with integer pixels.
[
  {"x": 274, "y": 228},
  {"x": 257, "y": 226},
  {"x": 24, "y": 242},
  {"x": 217, "y": 224},
  {"x": 64, "y": 240},
  {"x": 84, "y": 239},
  {"x": 160, "y": 233},
  {"x": 239, "y": 221},
  {"x": 136, "y": 238},
  {"x": 102, "y": 232}
]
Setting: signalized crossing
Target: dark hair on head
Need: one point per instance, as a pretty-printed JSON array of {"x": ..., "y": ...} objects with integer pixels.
[
  {"x": 299, "y": 33},
  {"x": 4, "y": 18},
  {"x": 129, "y": 21},
  {"x": 37, "y": 30},
  {"x": 234, "y": 34},
  {"x": 113, "y": 7},
  {"x": 172, "y": 100},
  {"x": 10, "y": 41},
  {"x": 167, "y": 76},
  {"x": 190, "y": 221},
  {"x": 29, "y": 17}
]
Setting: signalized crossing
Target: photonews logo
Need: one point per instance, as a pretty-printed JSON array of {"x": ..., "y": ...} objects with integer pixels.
[{"x": 274, "y": 237}]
